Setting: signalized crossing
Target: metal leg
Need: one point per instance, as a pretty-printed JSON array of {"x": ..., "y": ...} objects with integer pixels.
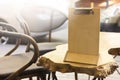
[
  {"x": 88, "y": 77},
  {"x": 30, "y": 78},
  {"x": 50, "y": 34},
  {"x": 118, "y": 71},
  {"x": 94, "y": 78},
  {"x": 49, "y": 75},
  {"x": 99, "y": 78},
  {"x": 76, "y": 76},
  {"x": 107, "y": 3},
  {"x": 54, "y": 77},
  {"x": 42, "y": 77},
  {"x": 38, "y": 78},
  {"x": 115, "y": 56}
]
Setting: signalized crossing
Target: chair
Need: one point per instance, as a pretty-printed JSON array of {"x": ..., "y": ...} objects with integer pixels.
[
  {"x": 43, "y": 21},
  {"x": 20, "y": 65},
  {"x": 7, "y": 27},
  {"x": 115, "y": 52}
]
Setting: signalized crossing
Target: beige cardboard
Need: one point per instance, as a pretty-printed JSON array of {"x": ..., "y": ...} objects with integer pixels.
[{"x": 83, "y": 39}]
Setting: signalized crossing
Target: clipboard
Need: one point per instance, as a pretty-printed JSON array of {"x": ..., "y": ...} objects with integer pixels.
[{"x": 83, "y": 36}]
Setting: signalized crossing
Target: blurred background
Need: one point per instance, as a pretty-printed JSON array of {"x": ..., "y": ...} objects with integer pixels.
[{"x": 33, "y": 12}]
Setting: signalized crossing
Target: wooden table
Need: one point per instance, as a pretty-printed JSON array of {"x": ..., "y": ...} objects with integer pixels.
[{"x": 54, "y": 61}]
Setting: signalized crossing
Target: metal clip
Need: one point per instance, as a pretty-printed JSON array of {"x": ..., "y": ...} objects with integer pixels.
[{"x": 83, "y": 11}]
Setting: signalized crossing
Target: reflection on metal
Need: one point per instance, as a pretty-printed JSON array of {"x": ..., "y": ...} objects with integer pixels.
[{"x": 83, "y": 11}]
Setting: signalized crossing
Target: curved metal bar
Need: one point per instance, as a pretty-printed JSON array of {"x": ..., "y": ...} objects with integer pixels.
[
  {"x": 25, "y": 28},
  {"x": 15, "y": 47},
  {"x": 32, "y": 41},
  {"x": 23, "y": 25},
  {"x": 10, "y": 27}
]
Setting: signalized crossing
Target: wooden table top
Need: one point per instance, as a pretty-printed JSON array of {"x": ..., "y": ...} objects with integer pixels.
[{"x": 54, "y": 60}]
